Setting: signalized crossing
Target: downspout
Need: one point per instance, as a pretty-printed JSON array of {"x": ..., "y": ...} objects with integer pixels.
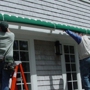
[{"x": 22, "y": 20}]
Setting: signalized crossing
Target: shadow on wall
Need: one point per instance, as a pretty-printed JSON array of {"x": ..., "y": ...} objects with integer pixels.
[{"x": 56, "y": 84}]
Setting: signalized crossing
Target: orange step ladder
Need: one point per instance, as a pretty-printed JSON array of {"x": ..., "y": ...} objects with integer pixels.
[{"x": 13, "y": 80}]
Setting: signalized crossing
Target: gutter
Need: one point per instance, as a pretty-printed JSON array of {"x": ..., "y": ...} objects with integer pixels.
[{"x": 12, "y": 18}]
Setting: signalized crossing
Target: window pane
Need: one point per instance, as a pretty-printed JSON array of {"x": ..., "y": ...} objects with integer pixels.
[
  {"x": 29, "y": 86},
  {"x": 23, "y": 45},
  {"x": 27, "y": 75},
  {"x": 16, "y": 55},
  {"x": 75, "y": 85},
  {"x": 66, "y": 49},
  {"x": 19, "y": 87},
  {"x": 26, "y": 66},
  {"x": 73, "y": 66},
  {"x": 69, "y": 76},
  {"x": 68, "y": 67},
  {"x": 15, "y": 45},
  {"x": 24, "y": 56},
  {"x": 19, "y": 78},
  {"x": 67, "y": 59},
  {"x": 72, "y": 58},
  {"x": 71, "y": 49},
  {"x": 70, "y": 86},
  {"x": 74, "y": 76}
]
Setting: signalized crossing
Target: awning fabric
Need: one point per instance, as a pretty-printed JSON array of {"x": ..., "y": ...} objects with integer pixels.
[{"x": 15, "y": 19}]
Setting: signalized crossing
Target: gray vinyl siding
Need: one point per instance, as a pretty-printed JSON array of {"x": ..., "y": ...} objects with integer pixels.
[
  {"x": 48, "y": 66},
  {"x": 69, "y": 12}
]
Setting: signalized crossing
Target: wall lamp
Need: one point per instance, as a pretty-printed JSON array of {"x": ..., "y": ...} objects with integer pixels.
[{"x": 58, "y": 48}]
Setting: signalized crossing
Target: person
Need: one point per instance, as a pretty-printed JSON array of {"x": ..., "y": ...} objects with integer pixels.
[
  {"x": 84, "y": 56},
  {"x": 6, "y": 54}
]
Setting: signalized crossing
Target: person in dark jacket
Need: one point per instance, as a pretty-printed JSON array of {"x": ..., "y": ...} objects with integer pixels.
[
  {"x": 84, "y": 56},
  {"x": 6, "y": 54}
]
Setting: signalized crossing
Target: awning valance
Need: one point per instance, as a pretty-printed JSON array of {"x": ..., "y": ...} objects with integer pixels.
[{"x": 12, "y": 18}]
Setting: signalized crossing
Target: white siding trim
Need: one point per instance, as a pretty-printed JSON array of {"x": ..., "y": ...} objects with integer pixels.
[{"x": 33, "y": 66}]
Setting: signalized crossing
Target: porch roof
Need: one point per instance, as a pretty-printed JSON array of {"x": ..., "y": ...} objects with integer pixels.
[{"x": 29, "y": 21}]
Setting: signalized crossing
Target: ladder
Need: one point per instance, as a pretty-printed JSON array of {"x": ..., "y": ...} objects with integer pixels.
[{"x": 12, "y": 85}]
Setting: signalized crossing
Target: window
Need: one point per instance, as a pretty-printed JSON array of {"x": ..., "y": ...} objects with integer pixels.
[
  {"x": 21, "y": 54},
  {"x": 70, "y": 64}
]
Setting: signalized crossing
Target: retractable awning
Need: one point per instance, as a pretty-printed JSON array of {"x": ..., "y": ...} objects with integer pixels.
[{"x": 15, "y": 19}]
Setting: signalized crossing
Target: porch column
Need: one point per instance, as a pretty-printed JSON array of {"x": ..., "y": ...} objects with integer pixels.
[
  {"x": 33, "y": 65},
  {"x": 77, "y": 68}
]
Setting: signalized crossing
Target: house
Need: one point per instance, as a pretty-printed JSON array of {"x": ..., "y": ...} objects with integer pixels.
[{"x": 37, "y": 25}]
